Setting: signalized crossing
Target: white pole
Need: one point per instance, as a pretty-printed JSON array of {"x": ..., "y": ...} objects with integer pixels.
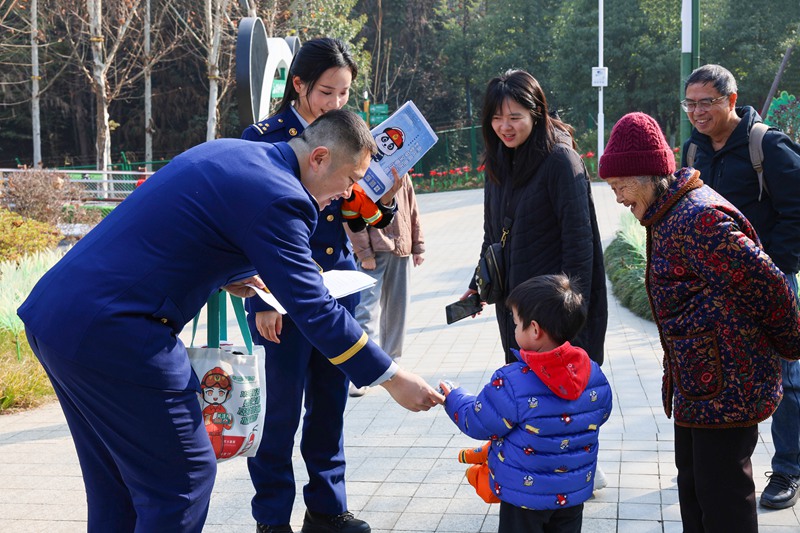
[{"x": 600, "y": 118}]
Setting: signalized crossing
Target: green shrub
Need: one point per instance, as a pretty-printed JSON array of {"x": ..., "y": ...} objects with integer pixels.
[
  {"x": 23, "y": 382},
  {"x": 20, "y": 236},
  {"x": 626, "y": 260}
]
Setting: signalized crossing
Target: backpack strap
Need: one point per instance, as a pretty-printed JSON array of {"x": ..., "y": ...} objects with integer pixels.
[
  {"x": 691, "y": 153},
  {"x": 756, "y": 139},
  {"x": 757, "y": 154}
]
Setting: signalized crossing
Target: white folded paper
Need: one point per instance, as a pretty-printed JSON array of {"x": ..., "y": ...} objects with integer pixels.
[{"x": 338, "y": 282}]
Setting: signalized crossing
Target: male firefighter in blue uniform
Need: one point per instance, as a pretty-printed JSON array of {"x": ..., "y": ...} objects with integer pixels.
[{"x": 104, "y": 321}]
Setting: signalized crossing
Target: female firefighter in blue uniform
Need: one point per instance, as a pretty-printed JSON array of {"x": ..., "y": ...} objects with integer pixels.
[{"x": 319, "y": 80}]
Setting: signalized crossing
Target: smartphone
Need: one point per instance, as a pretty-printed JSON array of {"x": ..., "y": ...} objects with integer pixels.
[{"x": 463, "y": 308}]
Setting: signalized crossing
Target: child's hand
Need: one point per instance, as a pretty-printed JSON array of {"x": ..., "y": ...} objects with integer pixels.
[{"x": 445, "y": 387}]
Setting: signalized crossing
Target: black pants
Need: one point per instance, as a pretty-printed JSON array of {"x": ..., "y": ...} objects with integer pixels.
[
  {"x": 715, "y": 479},
  {"x": 517, "y": 520}
]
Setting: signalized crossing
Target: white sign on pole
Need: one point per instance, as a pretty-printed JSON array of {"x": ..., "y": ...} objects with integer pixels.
[{"x": 599, "y": 76}]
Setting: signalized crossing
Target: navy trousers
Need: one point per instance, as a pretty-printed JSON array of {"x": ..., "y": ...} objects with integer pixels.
[
  {"x": 294, "y": 369},
  {"x": 145, "y": 456}
]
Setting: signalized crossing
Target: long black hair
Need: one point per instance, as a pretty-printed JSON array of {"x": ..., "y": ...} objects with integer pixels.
[
  {"x": 523, "y": 88},
  {"x": 311, "y": 62}
]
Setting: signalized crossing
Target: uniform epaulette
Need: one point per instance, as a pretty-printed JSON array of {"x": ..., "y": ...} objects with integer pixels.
[{"x": 268, "y": 125}]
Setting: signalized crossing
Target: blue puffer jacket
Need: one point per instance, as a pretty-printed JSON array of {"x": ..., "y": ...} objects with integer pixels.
[{"x": 542, "y": 415}]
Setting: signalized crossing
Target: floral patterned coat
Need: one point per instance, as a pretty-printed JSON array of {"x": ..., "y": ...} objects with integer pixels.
[{"x": 724, "y": 311}]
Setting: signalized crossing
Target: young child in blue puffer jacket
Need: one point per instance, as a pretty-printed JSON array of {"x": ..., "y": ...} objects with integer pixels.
[{"x": 541, "y": 414}]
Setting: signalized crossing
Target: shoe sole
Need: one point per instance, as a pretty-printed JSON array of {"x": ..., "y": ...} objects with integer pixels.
[
  {"x": 779, "y": 505},
  {"x": 323, "y": 529}
]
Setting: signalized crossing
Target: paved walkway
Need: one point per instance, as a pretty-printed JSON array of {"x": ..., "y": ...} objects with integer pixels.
[{"x": 402, "y": 470}]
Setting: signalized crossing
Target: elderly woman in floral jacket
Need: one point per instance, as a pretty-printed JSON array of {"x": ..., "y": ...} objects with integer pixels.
[{"x": 725, "y": 314}]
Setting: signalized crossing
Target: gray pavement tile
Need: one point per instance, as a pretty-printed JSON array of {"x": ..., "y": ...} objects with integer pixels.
[{"x": 403, "y": 475}]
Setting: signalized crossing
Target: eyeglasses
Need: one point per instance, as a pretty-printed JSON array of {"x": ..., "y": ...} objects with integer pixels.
[{"x": 701, "y": 105}]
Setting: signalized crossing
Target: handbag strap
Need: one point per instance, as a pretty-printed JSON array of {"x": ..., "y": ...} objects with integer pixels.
[
  {"x": 238, "y": 308},
  {"x": 241, "y": 318},
  {"x": 511, "y": 208}
]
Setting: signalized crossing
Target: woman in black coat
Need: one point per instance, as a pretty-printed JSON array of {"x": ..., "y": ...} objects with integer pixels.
[{"x": 537, "y": 184}]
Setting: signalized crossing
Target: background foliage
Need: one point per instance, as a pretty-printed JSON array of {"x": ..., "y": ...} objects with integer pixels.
[
  {"x": 439, "y": 53},
  {"x": 626, "y": 260}
]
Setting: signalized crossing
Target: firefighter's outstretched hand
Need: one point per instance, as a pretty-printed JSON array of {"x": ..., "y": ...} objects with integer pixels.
[{"x": 412, "y": 392}]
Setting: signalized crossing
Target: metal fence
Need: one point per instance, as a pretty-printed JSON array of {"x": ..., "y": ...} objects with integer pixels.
[
  {"x": 452, "y": 163},
  {"x": 98, "y": 185}
]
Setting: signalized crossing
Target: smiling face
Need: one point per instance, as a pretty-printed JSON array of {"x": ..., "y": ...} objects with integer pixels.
[
  {"x": 634, "y": 194},
  {"x": 331, "y": 91},
  {"x": 719, "y": 120},
  {"x": 334, "y": 177},
  {"x": 512, "y": 123},
  {"x": 215, "y": 395}
]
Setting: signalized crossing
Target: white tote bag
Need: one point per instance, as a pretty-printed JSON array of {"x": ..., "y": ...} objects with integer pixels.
[{"x": 233, "y": 392}]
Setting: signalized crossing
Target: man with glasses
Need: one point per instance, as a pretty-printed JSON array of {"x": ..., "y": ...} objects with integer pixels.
[{"x": 721, "y": 134}]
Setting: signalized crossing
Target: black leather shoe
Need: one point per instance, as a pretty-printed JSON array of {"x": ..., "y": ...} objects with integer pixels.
[
  {"x": 331, "y": 523},
  {"x": 781, "y": 491},
  {"x": 264, "y": 528}
]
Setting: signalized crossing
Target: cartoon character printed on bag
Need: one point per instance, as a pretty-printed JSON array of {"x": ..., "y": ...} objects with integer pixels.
[
  {"x": 389, "y": 141},
  {"x": 217, "y": 388}
]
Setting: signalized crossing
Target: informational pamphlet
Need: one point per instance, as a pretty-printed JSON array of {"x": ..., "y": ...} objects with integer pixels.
[
  {"x": 339, "y": 283},
  {"x": 402, "y": 140}
]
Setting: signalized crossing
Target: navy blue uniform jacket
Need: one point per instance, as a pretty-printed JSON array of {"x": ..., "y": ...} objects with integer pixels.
[
  {"x": 118, "y": 299},
  {"x": 329, "y": 244}
]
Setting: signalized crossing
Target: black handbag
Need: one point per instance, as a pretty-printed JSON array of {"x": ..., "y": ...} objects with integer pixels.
[{"x": 490, "y": 274}]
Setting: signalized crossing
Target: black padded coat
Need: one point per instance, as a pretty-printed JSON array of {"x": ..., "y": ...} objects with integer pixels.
[{"x": 554, "y": 231}]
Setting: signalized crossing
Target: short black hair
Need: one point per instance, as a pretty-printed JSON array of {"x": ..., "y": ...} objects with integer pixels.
[
  {"x": 342, "y": 131},
  {"x": 554, "y": 302},
  {"x": 718, "y": 76}
]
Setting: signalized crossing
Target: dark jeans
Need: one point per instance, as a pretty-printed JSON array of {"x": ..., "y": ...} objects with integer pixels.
[
  {"x": 786, "y": 418},
  {"x": 515, "y": 519},
  {"x": 715, "y": 479}
]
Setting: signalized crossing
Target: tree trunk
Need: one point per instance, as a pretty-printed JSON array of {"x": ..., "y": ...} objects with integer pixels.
[
  {"x": 776, "y": 81},
  {"x": 214, "y": 19},
  {"x": 148, "y": 93},
  {"x": 102, "y": 144},
  {"x": 35, "y": 122}
]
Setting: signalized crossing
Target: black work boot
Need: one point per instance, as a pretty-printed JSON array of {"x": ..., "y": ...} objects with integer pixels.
[
  {"x": 331, "y": 523},
  {"x": 781, "y": 491},
  {"x": 264, "y": 528}
]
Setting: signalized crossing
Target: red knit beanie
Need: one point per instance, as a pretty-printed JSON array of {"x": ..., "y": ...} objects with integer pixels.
[{"x": 636, "y": 147}]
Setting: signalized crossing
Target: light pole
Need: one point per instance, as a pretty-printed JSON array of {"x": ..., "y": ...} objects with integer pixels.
[
  {"x": 690, "y": 52},
  {"x": 600, "y": 80}
]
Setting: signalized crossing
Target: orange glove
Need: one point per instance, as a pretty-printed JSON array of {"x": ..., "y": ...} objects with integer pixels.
[
  {"x": 474, "y": 456},
  {"x": 480, "y": 478},
  {"x": 359, "y": 205}
]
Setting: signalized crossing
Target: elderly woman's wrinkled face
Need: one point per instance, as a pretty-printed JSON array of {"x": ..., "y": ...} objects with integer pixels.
[{"x": 633, "y": 193}]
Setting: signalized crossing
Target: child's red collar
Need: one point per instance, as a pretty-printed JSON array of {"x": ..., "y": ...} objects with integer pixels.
[{"x": 565, "y": 370}]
